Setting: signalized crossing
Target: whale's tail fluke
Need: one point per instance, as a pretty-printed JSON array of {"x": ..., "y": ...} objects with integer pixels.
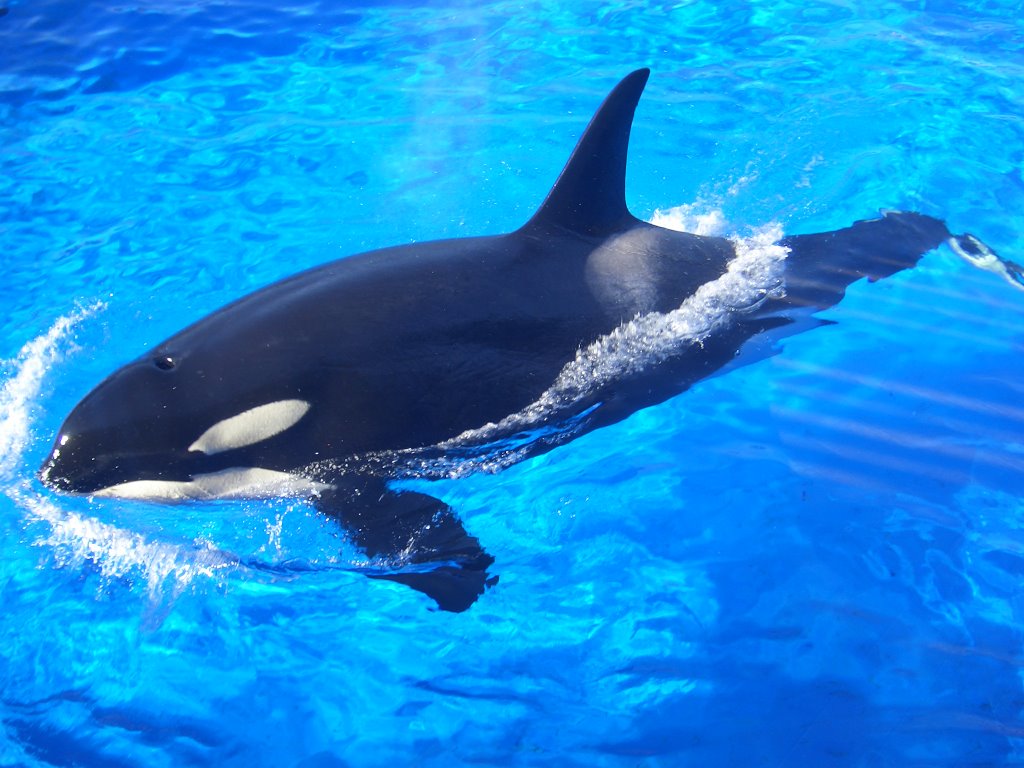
[{"x": 975, "y": 252}]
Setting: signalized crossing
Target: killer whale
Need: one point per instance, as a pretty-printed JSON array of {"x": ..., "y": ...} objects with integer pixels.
[{"x": 436, "y": 358}]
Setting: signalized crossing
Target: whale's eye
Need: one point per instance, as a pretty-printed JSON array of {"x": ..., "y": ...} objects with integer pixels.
[{"x": 164, "y": 362}]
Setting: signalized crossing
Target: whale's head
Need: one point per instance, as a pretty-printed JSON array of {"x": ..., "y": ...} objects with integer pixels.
[{"x": 162, "y": 428}]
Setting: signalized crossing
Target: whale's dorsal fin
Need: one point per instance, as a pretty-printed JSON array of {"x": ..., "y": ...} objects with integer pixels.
[{"x": 590, "y": 194}]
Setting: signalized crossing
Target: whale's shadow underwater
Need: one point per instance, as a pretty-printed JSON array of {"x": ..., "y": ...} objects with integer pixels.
[{"x": 410, "y": 360}]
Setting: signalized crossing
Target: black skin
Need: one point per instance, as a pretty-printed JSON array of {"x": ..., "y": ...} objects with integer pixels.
[{"x": 409, "y": 347}]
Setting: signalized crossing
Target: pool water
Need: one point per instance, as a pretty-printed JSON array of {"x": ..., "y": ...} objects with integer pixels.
[{"x": 813, "y": 560}]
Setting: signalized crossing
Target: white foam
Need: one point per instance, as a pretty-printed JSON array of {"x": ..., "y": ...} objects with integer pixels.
[
  {"x": 21, "y": 389},
  {"x": 74, "y": 538},
  {"x": 695, "y": 218},
  {"x": 754, "y": 275}
]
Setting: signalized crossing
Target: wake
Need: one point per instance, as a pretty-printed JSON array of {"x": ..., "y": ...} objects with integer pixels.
[{"x": 76, "y": 539}]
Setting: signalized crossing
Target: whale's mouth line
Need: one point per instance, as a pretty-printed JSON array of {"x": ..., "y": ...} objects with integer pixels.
[{"x": 67, "y": 473}]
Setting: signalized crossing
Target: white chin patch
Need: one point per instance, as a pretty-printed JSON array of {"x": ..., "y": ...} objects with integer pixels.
[
  {"x": 235, "y": 483},
  {"x": 250, "y": 427}
]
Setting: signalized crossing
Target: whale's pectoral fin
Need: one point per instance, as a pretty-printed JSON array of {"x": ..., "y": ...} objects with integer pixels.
[{"x": 419, "y": 541}]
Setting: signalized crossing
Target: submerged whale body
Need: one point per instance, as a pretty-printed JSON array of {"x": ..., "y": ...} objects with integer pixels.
[{"x": 435, "y": 358}]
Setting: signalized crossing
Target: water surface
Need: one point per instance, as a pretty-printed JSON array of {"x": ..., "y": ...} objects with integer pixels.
[{"x": 815, "y": 560}]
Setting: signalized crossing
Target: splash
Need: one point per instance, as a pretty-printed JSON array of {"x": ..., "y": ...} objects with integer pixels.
[
  {"x": 695, "y": 218},
  {"x": 754, "y": 275},
  {"x": 22, "y": 388},
  {"x": 76, "y": 539}
]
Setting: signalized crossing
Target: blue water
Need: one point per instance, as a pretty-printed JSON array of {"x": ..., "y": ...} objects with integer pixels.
[{"x": 815, "y": 560}]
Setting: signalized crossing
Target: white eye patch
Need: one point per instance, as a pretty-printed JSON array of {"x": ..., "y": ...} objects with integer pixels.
[{"x": 250, "y": 427}]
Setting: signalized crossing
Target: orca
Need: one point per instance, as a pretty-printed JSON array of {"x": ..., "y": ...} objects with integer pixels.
[{"x": 440, "y": 358}]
